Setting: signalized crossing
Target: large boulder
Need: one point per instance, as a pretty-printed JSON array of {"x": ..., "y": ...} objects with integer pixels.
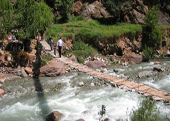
[
  {"x": 131, "y": 58},
  {"x": 54, "y": 116},
  {"x": 94, "y": 10},
  {"x": 52, "y": 69},
  {"x": 96, "y": 64}
]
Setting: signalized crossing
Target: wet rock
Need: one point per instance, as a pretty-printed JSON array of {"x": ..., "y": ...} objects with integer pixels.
[
  {"x": 2, "y": 92},
  {"x": 146, "y": 74},
  {"x": 81, "y": 84},
  {"x": 80, "y": 119},
  {"x": 158, "y": 68},
  {"x": 157, "y": 63},
  {"x": 54, "y": 116},
  {"x": 92, "y": 85},
  {"x": 115, "y": 70},
  {"x": 96, "y": 64},
  {"x": 106, "y": 119}
]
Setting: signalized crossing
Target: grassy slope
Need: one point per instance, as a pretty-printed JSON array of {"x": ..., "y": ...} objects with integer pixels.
[{"x": 91, "y": 29}]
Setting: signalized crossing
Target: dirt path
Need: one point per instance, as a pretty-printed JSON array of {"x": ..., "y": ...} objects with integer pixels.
[{"x": 144, "y": 90}]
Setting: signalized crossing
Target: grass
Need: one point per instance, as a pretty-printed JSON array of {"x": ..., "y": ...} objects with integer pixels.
[{"x": 92, "y": 29}]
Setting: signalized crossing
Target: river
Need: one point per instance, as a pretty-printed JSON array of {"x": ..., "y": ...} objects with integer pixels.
[{"x": 77, "y": 95}]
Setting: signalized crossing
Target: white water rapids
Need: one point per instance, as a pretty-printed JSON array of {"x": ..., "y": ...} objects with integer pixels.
[{"x": 76, "y": 102}]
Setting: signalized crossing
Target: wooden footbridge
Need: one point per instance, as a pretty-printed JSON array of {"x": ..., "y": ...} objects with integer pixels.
[{"x": 143, "y": 89}]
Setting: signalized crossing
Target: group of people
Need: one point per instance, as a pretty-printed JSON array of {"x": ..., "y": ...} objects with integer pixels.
[{"x": 59, "y": 43}]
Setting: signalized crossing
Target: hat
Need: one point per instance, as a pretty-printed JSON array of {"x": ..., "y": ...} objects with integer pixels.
[{"x": 50, "y": 36}]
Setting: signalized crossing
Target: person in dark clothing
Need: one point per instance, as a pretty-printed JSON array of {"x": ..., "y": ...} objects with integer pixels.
[
  {"x": 42, "y": 33},
  {"x": 51, "y": 43},
  {"x": 59, "y": 45}
]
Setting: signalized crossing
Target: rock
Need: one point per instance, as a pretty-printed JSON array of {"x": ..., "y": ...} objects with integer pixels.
[
  {"x": 23, "y": 73},
  {"x": 77, "y": 7},
  {"x": 96, "y": 64},
  {"x": 54, "y": 116},
  {"x": 2, "y": 92},
  {"x": 94, "y": 10},
  {"x": 157, "y": 62},
  {"x": 52, "y": 69},
  {"x": 102, "y": 71},
  {"x": 80, "y": 119},
  {"x": 146, "y": 74},
  {"x": 73, "y": 58},
  {"x": 92, "y": 85},
  {"x": 81, "y": 84},
  {"x": 28, "y": 70},
  {"x": 158, "y": 68},
  {"x": 131, "y": 57},
  {"x": 115, "y": 70}
]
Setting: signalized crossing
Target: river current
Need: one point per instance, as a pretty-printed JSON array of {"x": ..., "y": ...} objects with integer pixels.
[{"x": 77, "y": 95}]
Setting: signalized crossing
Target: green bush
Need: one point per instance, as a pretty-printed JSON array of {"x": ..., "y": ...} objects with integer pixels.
[
  {"x": 151, "y": 34},
  {"x": 146, "y": 112},
  {"x": 149, "y": 52}
]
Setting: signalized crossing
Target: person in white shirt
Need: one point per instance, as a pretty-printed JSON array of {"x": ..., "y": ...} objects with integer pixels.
[{"x": 59, "y": 45}]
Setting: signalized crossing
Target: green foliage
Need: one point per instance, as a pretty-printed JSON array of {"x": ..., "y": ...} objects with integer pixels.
[
  {"x": 30, "y": 16},
  {"x": 93, "y": 29},
  {"x": 5, "y": 17},
  {"x": 81, "y": 50},
  {"x": 77, "y": 18},
  {"x": 152, "y": 35},
  {"x": 149, "y": 52},
  {"x": 146, "y": 112},
  {"x": 45, "y": 59},
  {"x": 65, "y": 8}
]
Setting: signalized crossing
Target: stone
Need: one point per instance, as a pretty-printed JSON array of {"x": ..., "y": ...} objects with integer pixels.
[
  {"x": 157, "y": 62},
  {"x": 73, "y": 58},
  {"x": 157, "y": 68},
  {"x": 28, "y": 70},
  {"x": 53, "y": 69},
  {"x": 54, "y": 116},
  {"x": 2, "y": 92},
  {"x": 81, "y": 84},
  {"x": 80, "y": 119},
  {"x": 96, "y": 64}
]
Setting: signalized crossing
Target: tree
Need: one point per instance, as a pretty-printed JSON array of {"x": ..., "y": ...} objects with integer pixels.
[
  {"x": 5, "y": 17},
  {"x": 30, "y": 16},
  {"x": 114, "y": 7},
  {"x": 65, "y": 7},
  {"x": 151, "y": 35}
]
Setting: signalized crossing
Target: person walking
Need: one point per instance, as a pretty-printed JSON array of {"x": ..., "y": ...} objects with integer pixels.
[
  {"x": 51, "y": 43},
  {"x": 59, "y": 45}
]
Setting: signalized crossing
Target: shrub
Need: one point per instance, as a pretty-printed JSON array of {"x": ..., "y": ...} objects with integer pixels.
[
  {"x": 152, "y": 35},
  {"x": 146, "y": 112},
  {"x": 23, "y": 58},
  {"x": 149, "y": 52}
]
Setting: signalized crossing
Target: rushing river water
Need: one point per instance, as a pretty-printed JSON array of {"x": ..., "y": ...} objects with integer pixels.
[{"x": 24, "y": 100}]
